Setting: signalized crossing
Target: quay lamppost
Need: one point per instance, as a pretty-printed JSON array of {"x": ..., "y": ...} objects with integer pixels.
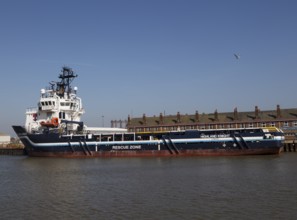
[{"x": 102, "y": 120}]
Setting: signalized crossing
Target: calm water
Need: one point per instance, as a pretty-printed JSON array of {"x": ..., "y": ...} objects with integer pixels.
[{"x": 258, "y": 187}]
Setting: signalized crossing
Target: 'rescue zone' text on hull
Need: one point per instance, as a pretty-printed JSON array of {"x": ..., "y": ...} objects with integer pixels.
[{"x": 126, "y": 147}]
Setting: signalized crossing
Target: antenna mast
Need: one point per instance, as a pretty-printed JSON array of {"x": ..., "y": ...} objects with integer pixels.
[{"x": 67, "y": 76}]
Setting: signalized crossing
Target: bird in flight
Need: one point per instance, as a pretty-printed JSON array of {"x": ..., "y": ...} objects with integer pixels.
[{"x": 237, "y": 56}]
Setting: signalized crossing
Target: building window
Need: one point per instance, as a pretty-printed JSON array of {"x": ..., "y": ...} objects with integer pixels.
[
  {"x": 286, "y": 124},
  {"x": 241, "y": 125},
  {"x": 263, "y": 124},
  {"x": 295, "y": 123},
  {"x": 230, "y": 126},
  {"x": 272, "y": 124}
]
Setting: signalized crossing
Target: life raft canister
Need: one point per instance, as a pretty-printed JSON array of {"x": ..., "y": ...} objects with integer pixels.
[
  {"x": 51, "y": 124},
  {"x": 55, "y": 121}
]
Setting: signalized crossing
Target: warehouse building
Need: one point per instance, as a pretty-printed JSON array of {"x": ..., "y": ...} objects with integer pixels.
[
  {"x": 4, "y": 139},
  {"x": 286, "y": 119}
]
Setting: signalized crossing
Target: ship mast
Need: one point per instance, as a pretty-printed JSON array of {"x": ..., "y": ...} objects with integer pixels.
[{"x": 67, "y": 76}]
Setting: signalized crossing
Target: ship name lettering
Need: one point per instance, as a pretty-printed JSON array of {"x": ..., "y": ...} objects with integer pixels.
[{"x": 215, "y": 136}]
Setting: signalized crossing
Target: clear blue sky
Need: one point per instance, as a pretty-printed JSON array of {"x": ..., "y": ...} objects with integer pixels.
[{"x": 149, "y": 56}]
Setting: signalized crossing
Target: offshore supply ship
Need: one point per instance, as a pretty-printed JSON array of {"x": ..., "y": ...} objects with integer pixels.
[{"x": 55, "y": 128}]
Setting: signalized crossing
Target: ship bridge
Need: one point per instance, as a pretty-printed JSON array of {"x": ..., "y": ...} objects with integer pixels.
[
  {"x": 48, "y": 104},
  {"x": 57, "y": 102}
]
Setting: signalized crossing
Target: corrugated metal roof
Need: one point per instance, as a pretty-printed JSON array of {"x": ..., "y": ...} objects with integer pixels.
[{"x": 217, "y": 117}]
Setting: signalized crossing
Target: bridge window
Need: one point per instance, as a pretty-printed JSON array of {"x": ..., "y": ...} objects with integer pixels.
[{"x": 62, "y": 115}]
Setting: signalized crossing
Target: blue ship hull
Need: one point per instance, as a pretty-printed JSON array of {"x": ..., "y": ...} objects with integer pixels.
[{"x": 179, "y": 143}]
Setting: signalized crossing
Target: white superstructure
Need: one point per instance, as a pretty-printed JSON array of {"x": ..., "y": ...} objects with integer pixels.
[{"x": 58, "y": 107}]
